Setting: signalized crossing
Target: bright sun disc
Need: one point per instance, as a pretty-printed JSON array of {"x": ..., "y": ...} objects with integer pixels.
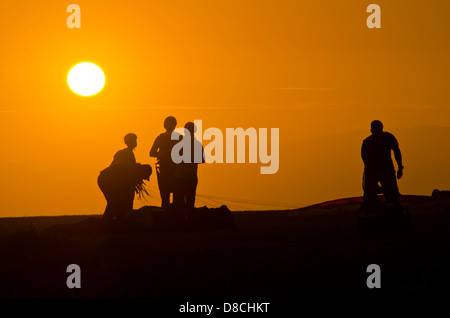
[{"x": 86, "y": 79}]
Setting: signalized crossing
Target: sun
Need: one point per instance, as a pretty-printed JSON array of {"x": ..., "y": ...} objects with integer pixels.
[{"x": 86, "y": 79}]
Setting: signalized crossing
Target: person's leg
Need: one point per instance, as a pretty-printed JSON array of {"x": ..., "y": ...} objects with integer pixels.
[
  {"x": 125, "y": 204},
  {"x": 164, "y": 189},
  {"x": 370, "y": 186},
  {"x": 120, "y": 213},
  {"x": 390, "y": 188},
  {"x": 170, "y": 183},
  {"x": 112, "y": 209},
  {"x": 106, "y": 190},
  {"x": 191, "y": 188},
  {"x": 108, "y": 214}
]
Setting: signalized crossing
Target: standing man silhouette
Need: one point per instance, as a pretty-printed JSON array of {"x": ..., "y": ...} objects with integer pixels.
[
  {"x": 186, "y": 179},
  {"x": 165, "y": 167},
  {"x": 378, "y": 165},
  {"x": 126, "y": 155}
]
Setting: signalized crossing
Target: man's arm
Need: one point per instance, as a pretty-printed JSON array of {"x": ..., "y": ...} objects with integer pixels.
[
  {"x": 398, "y": 158},
  {"x": 154, "y": 152},
  {"x": 364, "y": 152}
]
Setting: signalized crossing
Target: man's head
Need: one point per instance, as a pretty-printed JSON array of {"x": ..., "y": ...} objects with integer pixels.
[
  {"x": 190, "y": 126},
  {"x": 130, "y": 140},
  {"x": 376, "y": 127},
  {"x": 170, "y": 123}
]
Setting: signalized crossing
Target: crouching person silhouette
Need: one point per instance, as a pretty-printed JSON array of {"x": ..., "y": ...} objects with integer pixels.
[{"x": 119, "y": 183}]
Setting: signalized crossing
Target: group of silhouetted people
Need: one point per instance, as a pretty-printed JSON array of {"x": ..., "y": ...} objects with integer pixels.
[
  {"x": 178, "y": 179},
  {"x": 125, "y": 177}
]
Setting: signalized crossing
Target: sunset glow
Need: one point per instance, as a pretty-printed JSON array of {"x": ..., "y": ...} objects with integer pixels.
[{"x": 313, "y": 70}]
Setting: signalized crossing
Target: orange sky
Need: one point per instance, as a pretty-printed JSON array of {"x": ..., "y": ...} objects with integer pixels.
[{"x": 310, "y": 68}]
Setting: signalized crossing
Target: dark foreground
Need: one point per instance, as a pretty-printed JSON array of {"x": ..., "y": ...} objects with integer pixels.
[{"x": 276, "y": 254}]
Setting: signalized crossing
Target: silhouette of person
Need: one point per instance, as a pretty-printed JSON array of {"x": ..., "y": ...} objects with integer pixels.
[
  {"x": 378, "y": 165},
  {"x": 186, "y": 179},
  {"x": 119, "y": 183},
  {"x": 126, "y": 155},
  {"x": 165, "y": 167}
]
